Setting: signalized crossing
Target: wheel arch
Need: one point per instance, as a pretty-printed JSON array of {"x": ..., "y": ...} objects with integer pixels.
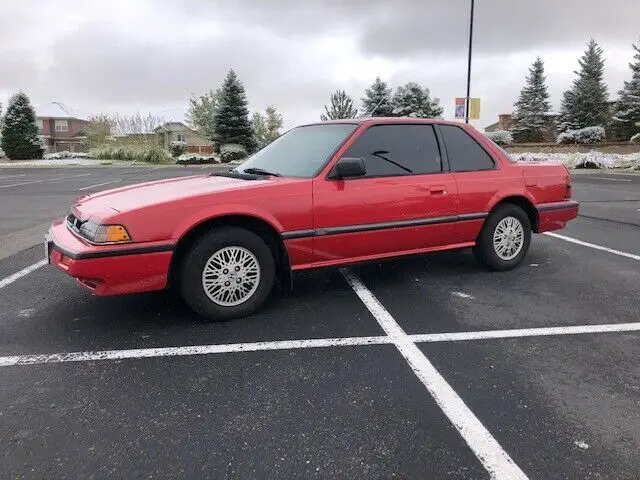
[
  {"x": 526, "y": 205},
  {"x": 265, "y": 230}
]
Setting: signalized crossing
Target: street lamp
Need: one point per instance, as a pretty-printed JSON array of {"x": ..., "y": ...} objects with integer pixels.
[{"x": 468, "y": 100}]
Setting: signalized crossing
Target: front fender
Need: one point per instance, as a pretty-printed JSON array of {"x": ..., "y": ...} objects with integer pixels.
[{"x": 216, "y": 211}]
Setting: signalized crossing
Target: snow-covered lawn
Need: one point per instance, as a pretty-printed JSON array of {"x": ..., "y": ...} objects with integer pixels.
[{"x": 593, "y": 159}]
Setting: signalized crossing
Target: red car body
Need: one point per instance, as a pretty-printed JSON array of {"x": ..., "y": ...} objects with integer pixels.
[{"x": 320, "y": 222}]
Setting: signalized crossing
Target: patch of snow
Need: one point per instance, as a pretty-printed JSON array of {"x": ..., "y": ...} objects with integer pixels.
[
  {"x": 27, "y": 312},
  {"x": 592, "y": 159},
  {"x": 462, "y": 295},
  {"x": 581, "y": 444},
  {"x": 65, "y": 154}
]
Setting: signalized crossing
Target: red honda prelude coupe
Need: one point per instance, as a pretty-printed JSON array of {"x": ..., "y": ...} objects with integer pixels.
[{"x": 325, "y": 194}]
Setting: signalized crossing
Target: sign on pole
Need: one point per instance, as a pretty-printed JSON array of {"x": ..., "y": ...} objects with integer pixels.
[
  {"x": 459, "y": 107},
  {"x": 474, "y": 108}
]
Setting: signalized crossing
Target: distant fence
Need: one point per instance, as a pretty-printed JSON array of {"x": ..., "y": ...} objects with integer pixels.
[{"x": 621, "y": 148}]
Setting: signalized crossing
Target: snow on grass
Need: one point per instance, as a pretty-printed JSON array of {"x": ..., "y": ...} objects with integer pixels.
[
  {"x": 592, "y": 159},
  {"x": 64, "y": 154},
  {"x": 195, "y": 159}
]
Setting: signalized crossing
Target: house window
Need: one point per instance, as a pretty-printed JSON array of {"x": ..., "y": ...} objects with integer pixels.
[
  {"x": 182, "y": 137},
  {"x": 62, "y": 125},
  {"x": 40, "y": 123}
]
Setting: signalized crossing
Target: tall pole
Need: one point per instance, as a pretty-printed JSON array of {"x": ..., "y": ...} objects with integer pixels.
[{"x": 466, "y": 113}]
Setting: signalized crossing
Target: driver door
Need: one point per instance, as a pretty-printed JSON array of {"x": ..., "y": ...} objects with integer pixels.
[{"x": 401, "y": 205}]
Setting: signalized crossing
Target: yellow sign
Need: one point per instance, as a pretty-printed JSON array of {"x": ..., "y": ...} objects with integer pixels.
[{"x": 474, "y": 108}]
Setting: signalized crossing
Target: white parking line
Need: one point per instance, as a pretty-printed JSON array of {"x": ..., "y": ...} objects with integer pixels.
[
  {"x": 310, "y": 343},
  {"x": 611, "y": 179},
  {"x": 525, "y": 332},
  {"x": 190, "y": 350},
  {"x": 43, "y": 181},
  {"x": 99, "y": 185},
  {"x": 492, "y": 456},
  {"x": 594, "y": 246},
  {"x": 13, "y": 176},
  {"x": 25, "y": 271}
]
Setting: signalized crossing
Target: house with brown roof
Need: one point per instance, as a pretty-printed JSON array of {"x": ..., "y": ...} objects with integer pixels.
[{"x": 60, "y": 130}]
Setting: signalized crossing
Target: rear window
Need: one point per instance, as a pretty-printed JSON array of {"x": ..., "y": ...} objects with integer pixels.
[{"x": 465, "y": 154}]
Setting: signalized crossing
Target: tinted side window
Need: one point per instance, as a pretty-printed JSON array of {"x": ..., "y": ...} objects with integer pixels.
[
  {"x": 465, "y": 154},
  {"x": 398, "y": 150}
]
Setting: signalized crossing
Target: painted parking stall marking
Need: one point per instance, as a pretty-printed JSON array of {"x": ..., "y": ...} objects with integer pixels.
[
  {"x": 25, "y": 271},
  {"x": 310, "y": 343},
  {"x": 492, "y": 456},
  {"x": 31, "y": 182},
  {"x": 594, "y": 246},
  {"x": 99, "y": 185}
]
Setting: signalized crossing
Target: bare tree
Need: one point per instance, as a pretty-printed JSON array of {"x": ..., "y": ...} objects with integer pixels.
[{"x": 134, "y": 124}]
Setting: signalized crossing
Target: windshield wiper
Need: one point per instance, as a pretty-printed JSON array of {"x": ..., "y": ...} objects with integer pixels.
[{"x": 260, "y": 171}]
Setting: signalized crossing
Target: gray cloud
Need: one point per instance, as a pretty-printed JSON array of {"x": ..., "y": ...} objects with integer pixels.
[{"x": 124, "y": 56}]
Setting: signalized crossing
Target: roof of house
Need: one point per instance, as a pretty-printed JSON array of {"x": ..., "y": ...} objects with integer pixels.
[
  {"x": 168, "y": 127},
  {"x": 57, "y": 110}
]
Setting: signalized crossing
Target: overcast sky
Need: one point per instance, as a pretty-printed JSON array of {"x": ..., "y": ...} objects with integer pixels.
[{"x": 130, "y": 55}]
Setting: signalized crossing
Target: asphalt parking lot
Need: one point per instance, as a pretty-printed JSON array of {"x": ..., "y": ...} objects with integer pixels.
[{"x": 426, "y": 367}]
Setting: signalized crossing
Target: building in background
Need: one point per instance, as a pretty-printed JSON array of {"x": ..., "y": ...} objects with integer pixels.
[
  {"x": 59, "y": 130},
  {"x": 179, "y": 132}
]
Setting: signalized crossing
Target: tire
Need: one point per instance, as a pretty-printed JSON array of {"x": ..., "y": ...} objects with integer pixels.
[
  {"x": 509, "y": 219},
  {"x": 227, "y": 253}
]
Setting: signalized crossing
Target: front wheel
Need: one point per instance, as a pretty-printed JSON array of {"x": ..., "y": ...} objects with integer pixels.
[
  {"x": 505, "y": 238},
  {"x": 227, "y": 273}
]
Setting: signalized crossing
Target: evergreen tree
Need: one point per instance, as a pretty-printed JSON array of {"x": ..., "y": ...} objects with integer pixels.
[
  {"x": 532, "y": 108},
  {"x": 341, "y": 107},
  {"x": 266, "y": 128},
  {"x": 586, "y": 103},
  {"x": 20, "y": 133},
  {"x": 411, "y": 100},
  {"x": 231, "y": 119},
  {"x": 626, "y": 119},
  {"x": 202, "y": 111},
  {"x": 377, "y": 100}
]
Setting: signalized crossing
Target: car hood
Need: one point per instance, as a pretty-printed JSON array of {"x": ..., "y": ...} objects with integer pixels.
[{"x": 133, "y": 197}]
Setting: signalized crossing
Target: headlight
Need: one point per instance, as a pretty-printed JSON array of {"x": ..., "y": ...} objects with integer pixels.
[{"x": 97, "y": 233}]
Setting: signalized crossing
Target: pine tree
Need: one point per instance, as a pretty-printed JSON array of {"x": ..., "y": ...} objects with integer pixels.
[
  {"x": 341, "y": 107},
  {"x": 377, "y": 100},
  {"x": 532, "y": 108},
  {"x": 266, "y": 128},
  {"x": 20, "y": 133},
  {"x": 231, "y": 119},
  {"x": 411, "y": 100},
  {"x": 202, "y": 111},
  {"x": 626, "y": 119},
  {"x": 587, "y": 103}
]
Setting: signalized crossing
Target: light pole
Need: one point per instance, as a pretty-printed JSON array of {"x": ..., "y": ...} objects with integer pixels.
[{"x": 468, "y": 100}]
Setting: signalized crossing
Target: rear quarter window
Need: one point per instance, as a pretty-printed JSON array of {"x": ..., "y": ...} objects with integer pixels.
[{"x": 465, "y": 154}]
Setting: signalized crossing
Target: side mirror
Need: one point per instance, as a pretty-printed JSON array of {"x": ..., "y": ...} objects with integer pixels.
[{"x": 348, "y": 167}]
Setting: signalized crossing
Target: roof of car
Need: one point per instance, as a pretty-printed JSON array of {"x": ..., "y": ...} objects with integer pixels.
[{"x": 362, "y": 120}]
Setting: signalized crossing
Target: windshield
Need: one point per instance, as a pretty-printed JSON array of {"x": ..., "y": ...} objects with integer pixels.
[{"x": 301, "y": 152}]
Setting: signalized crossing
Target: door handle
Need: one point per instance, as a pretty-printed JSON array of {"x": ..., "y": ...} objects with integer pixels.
[{"x": 438, "y": 189}]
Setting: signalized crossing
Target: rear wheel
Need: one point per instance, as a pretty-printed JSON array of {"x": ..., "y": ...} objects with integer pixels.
[
  {"x": 227, "y": 273},
  {"x": 505, "y": 238}
]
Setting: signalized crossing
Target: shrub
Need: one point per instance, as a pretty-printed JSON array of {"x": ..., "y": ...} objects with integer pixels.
[
  {"x": 501, "y": 137},
  {"x": 594, "y": 159},
  {"x": 585, "y": 135},
  {"x": 65, "y": 154},
  {"x": 131, "y": 153},
  {"x": 635, "y": 138},
  {"x": 196, "y": 159},
  {"x": 177, "y": 148},
  {"x": 232, "y": 151}
]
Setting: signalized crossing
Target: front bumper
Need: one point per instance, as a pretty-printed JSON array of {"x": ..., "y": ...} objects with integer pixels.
[{"x": 109, "y": 269}]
